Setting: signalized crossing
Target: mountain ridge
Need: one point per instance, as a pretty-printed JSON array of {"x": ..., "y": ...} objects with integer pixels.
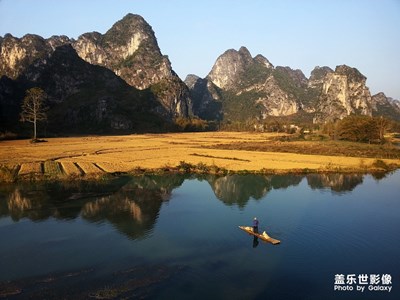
[
  {"x": 256, "y": 91},
  {"x": 129, "y": 48},
  {"x": 238, "y": 88},
  {"x": 89, "y": 98}
]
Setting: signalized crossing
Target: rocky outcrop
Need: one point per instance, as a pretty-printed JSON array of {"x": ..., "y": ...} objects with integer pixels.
[
  {"x": 295, "y": 85},
  {"x": 297, "y": 77},
  {"x": 131, "y": 50},
  {"x": 378, "y": 101},
  {"x": 230, "y": 67},
  {"x": 311, "y": 93},
  {"x": 238, "y": 88},
  {"x": 395, "y": 104},
  {"x": 206, "y": 98},
  {"x": 318, "y": 75},
  {"x": 385, "y": 106},
  {"x": 275, "y": 101},
  {"x": 251, "y": 88},
  {"x": 344, "y": 92},
  {"x": 83, "y": 97},
  {"x": 17, "y": 54}
]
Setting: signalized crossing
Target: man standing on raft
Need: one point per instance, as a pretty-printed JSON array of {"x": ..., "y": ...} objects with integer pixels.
[{"x": 255, "y": 225}]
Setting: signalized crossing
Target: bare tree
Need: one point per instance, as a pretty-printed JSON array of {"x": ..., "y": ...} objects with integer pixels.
[
  {"x": 33, "y": 108},
  {"x": 382, "y": 124}
]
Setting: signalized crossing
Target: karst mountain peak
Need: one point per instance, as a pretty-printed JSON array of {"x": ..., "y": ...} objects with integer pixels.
[{"x": 122, "y": 74}]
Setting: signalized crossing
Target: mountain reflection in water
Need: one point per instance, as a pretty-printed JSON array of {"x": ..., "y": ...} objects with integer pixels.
[
  {"x": 238, "y": 189},
  {"x": 132, "y": 204}
]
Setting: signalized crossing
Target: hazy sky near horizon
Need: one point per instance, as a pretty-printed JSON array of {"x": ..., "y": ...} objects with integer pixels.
[{"x": 301, "y": 34}]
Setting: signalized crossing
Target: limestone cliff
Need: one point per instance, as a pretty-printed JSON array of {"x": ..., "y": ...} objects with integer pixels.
[
  {"x": 318, "y": 75},
  {"x": 314, "y": 88},
  {"x": 344, "y": 92},
  {"x": 296, "y": 76},
  {"x": 17, "y": 54},
  {"x": 395, "y": 104},
  {"x": 295, "y": 85},
  {"x": 385, "y": 106},
  {"x": 131, "y": 50},
  {"x": 206, "y": 98},
  {"x": 124, "y": 70},
  {"x": 275, "y": 101},
  {"x": 251, "y": 88},
  {"x": 82, "y": 97},
  {"x": 230, "y": 67}
]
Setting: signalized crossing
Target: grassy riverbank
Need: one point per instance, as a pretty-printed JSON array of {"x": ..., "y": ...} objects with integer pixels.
[{"x": 205, "y": 152}]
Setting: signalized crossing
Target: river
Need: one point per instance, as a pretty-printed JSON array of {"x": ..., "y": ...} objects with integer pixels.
[{"x": 177, "y": 237}]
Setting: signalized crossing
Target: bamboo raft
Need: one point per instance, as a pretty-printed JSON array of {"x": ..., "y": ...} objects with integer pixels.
[{"x": 263, "y": 236}]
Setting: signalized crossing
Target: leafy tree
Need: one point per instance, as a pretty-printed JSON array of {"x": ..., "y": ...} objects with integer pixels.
[
  {"x": 355, "y": 129},
  {"x": 33, "y": 108},
  {"x": 362, "y": 129}
]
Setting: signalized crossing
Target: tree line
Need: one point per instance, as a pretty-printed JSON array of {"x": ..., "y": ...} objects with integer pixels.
[
  {"x": 358, "y": 128},
  {"x": 355, "y": 128}
]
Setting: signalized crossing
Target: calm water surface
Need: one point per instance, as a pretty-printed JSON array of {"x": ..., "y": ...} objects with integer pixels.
[{"x": 176, "y": 237}]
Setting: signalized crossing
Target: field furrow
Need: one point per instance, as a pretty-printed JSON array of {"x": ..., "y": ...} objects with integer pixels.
[
  {"x": 114, "y": 167},
  {"x": 70, "y": 168},
  {"x": 89, "y": 168}
]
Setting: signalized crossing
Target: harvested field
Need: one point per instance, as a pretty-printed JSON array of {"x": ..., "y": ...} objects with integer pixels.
[
  {"x": 52, "y": 168},
  {"x": 232, "y": 151},
  {"x": 30, "y": 168},
  {"x": 89, "y": 168},
  {"x": 330, "y": 148},
  {"x": 70, "y": 168}
]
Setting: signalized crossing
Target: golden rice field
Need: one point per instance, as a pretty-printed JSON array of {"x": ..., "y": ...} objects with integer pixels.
[{"x": 97, "y": 155}]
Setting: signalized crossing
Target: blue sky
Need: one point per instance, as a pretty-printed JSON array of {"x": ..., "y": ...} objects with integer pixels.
[{"x": 301, "y": 34}]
